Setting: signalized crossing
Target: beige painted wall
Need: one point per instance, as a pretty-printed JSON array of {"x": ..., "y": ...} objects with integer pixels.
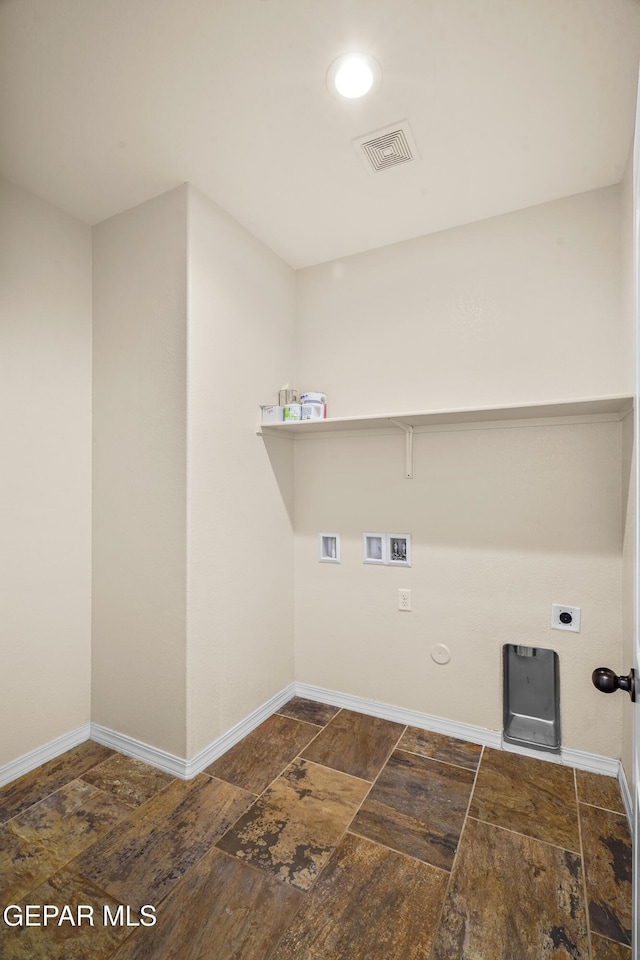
[
  {"x": 193, "y": 574},
  {"x": 193, "y": 547},
  {"x": 45, "y": 553},
  {"x": 521, "y": 308},
  {"x": 240, "y": 488},
  {"x": 504, "y": 523},
  {"x": 139, "y": 472}
]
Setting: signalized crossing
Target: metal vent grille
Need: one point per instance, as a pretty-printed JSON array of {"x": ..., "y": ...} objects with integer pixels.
[{"x": 387, "y": 148}]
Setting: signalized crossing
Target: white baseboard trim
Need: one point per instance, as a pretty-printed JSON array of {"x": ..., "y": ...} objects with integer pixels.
[
  {"x": 451, "y": 728},
  {"x": 48, "y": 751},
  {"x": 186, "y": 769},
  {"x": 581, "y": 759},
  {"x": 139, "y": 750},
  {"x": 591, "y": 762},
  {"x": 178, "y": 766},
  {"x": 627, "y": 800},
  {"x": 229, "y": 739},
  {"x": 569, "y": 757},
  {"x": 162, "y": 759}
]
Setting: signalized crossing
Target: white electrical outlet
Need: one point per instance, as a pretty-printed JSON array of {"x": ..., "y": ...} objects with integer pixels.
[
  {"x": 565, "y": 618},
  {"x": 404, "y": 599}
]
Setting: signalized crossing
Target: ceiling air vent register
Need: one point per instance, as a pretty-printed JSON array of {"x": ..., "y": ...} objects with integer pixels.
[{"x": 390, "y": 147}]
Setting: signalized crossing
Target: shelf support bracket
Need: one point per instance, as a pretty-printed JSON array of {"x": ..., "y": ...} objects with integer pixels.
[{"x": 408, "y": 446}]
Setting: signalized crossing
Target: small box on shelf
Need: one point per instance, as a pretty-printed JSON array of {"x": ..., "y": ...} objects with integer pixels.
[{"x": 272, "y": 414}]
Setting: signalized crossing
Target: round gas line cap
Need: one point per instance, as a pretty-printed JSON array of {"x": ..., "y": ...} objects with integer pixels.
[{"x": 440, "y": 653}]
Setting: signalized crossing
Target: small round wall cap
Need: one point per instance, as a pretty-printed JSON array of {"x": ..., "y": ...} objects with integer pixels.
[{"x": 440, "y": 653}]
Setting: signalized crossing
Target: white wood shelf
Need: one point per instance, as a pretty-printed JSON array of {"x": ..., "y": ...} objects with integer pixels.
[{"x": 591, "y": 409}]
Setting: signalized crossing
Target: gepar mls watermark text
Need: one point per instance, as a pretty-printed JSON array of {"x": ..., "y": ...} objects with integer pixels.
[{"x": 81, "y": 914}]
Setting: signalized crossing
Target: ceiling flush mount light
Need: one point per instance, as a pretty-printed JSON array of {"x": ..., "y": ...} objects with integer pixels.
[{"x": 352, "y": 75}]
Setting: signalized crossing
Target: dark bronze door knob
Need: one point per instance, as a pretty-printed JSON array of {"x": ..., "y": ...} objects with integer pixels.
[{"x": 606, "y": 681}]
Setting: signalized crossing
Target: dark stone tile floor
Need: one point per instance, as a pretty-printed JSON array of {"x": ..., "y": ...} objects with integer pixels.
[{"x": 324, "y": 835}]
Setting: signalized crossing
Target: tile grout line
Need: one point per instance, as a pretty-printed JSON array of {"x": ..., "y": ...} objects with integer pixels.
[
  {"x": 78, "y": 776},
  {"x": 315, "y": 724},
  {"x": 81, "y": 777},
  {"x": 355, "y": 814},
  {"x": 169, "y": 893},
  {"x": 597, "y": 806},
  {"x": 466, "y": 815},
  {"x": 436, "y": 926},
  {"x": 448, "y": 763},
  {"x": 67, "y": 865},
  {"x": 616, "y": 943},
  {"x": 348, "y": 831},
  {"x": 102, "y": 790},
  {"x": 597, "y": 888},
  {"x": 384, "y": 763},
  {"x": 584, "y": 867},
  {"x": 525, "y": 836},
  {"x": 298, "y": 756},
  {"x": 76, "y": 873},
  {"x": 99, "y": 890},
  {"x": 374, "y": 781},
  {"x": 354, "y": 832},
  {"x": 324, "y": 766},
  {"x": 85, "y": 783},
  {"x": 36, "y": 803},
  {"x": 257, "y": 797},
  {"x": 116, "y": 753},
  {"x": 130, "y": 807},
  {"x": 371, "y": 785},
  {"x": 365, "y": 798},
  {"x": 300, "y": 907},
  {"x": 270, "y": 876},
  {"x": 80, "y": 876},
  {"x": 401, "y": 853},
  {"x": 179, "y": 882},
  {"x": 306, "y": 893}
]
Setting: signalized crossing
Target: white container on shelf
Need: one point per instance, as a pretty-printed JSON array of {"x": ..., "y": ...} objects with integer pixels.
[
  {"x": 293, "y": 411},
  {"x": 272, "y": 414},
  {"x": 313, "y": 398},
  {"x": 313, "y": 411}
]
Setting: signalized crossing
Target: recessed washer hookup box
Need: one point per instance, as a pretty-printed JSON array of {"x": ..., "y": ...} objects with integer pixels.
[{"x": 531, "y": 697}]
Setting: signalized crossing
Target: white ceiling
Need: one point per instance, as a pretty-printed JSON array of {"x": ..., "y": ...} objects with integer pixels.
[{"x": 106, "y": 103}]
